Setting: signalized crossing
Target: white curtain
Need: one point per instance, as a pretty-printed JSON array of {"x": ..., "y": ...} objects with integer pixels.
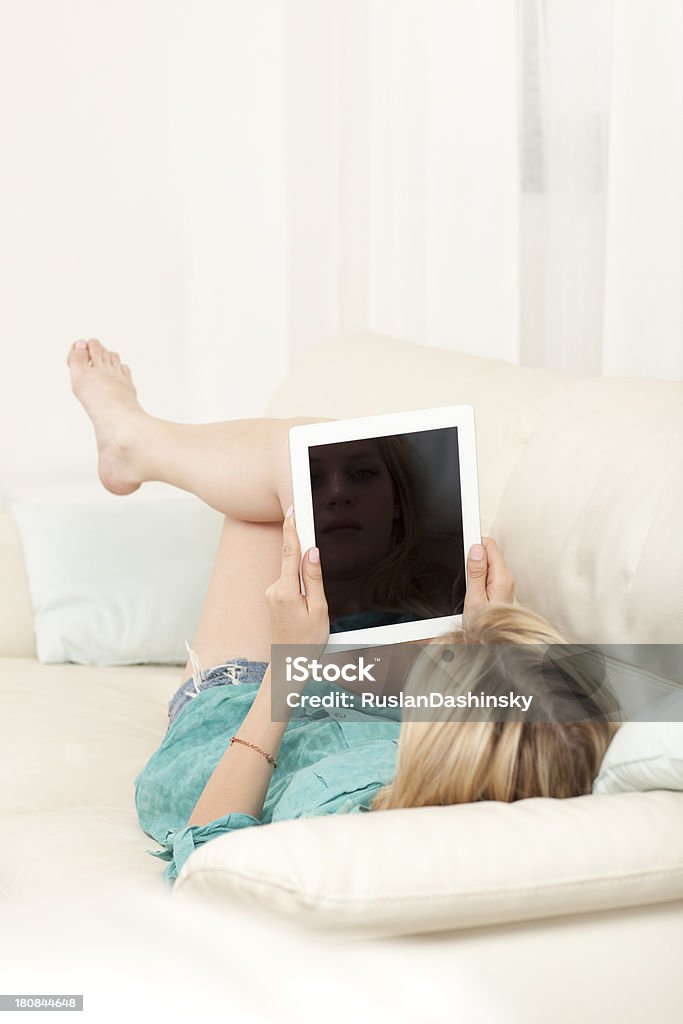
[
  {"x": 601, "y": 215},
  {"x": 427, "y": 180},
  {"x": 564, "y": 68},
  {"x": 507, "y": 178}
]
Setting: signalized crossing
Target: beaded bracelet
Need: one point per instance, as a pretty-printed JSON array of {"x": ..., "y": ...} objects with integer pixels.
[{"x": 269, "y": 757}]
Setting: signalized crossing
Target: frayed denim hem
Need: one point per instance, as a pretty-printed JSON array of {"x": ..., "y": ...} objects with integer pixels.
[{"x": 230, "y": 673}]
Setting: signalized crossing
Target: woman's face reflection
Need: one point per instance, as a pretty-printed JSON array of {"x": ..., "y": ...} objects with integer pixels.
[{"x": 354, "y": 507}]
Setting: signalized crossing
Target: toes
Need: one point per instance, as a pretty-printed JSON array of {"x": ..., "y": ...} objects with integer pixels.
[
  {"x": 96, "y": 352},
  {"x": 93, "y": 353},
  {"x": 78, "y": 354}
]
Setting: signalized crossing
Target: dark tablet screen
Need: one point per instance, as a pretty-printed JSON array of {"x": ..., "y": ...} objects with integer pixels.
[{"x": 387, "y": 513}]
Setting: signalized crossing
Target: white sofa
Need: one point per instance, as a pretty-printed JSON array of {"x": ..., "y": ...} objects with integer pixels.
[{"x": 543, "y": 910}]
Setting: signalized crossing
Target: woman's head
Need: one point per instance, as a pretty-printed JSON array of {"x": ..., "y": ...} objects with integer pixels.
[
  {"x": 502, "y": 649},
  {"x": 356, "y": 506}
]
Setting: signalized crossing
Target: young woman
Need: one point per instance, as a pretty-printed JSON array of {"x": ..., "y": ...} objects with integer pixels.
[{"x": 224, "y": 764}]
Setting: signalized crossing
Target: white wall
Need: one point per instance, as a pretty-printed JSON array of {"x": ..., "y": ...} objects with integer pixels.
[
  {"x": 142, "y": 201},
  {"x": 224, "y": 68}
]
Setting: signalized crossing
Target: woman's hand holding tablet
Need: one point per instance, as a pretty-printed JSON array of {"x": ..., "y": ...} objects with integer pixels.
[{"x": 298, "y": 618}]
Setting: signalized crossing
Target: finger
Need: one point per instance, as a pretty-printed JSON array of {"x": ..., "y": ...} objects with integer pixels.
[
  {"x": 494, "y": 557},
  {"x": 477, "y": 567},
  {"x": 291, "y": 551},
  {"x": 313, "y": 580},
  {"x": 500, "y": 581}
]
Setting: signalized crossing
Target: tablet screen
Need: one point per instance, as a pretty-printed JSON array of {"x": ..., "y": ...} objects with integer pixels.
[{"x": 387, "y": 514}]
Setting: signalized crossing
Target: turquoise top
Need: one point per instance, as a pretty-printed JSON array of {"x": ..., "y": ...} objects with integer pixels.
[{"x": 330, "y": 761}]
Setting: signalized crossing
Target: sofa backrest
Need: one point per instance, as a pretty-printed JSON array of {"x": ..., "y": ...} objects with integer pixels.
[
  {"x": 581, "y": 479},
  {"x": 590, "y": 519}
]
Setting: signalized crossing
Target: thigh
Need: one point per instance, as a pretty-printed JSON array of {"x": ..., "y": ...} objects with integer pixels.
[{"x": 234, "y": 621}]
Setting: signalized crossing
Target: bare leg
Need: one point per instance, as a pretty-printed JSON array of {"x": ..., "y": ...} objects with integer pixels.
[
  {"x": 239, "y": 467},
  {"x": 234, "y": 620}
]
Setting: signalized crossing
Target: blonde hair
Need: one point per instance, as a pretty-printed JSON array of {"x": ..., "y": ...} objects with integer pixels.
[{"x": 452, "y": 762}]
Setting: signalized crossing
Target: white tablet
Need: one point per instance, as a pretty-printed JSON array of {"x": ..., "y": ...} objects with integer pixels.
[{"x": 392, "y": 502}]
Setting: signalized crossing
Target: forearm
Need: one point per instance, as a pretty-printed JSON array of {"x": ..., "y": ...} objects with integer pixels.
[{"x": 240, "y": 780}]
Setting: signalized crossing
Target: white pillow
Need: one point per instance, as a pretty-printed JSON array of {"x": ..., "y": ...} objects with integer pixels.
[
  {"x": 117, "y": 582},
  {"x": 643, "y": 756},
  {"x": 428, "y": 869}
]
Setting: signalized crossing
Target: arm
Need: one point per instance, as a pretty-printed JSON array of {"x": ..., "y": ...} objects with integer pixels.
[{"x": 240, "y": 780}]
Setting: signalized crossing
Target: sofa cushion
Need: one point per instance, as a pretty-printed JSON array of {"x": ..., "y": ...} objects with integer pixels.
[
  {"x": 79, "y": 734},
  {"x": 439, "y": 868}
]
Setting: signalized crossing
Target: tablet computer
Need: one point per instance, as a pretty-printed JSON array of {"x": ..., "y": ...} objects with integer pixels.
[{"x": 392, "y": 502}]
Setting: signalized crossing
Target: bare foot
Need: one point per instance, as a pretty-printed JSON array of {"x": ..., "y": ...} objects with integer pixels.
[{"x": 104, "y": 387}]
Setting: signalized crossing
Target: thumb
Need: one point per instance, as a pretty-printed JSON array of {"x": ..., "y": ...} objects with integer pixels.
[
  {"x": 313, "y": 577},
  {"x": 477, "y": 567}
]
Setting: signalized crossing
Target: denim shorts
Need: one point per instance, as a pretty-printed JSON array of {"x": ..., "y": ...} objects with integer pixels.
[{"x": 230, "y": 673}]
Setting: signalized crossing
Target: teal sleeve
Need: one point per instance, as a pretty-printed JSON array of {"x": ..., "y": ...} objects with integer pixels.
[{"x": 180, "y": 843}]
